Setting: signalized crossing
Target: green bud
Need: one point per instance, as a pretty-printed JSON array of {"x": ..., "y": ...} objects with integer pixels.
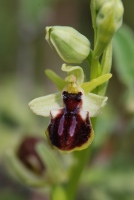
[
  {"x": 98, "y": 4},
  {"x": 108, "y": 21},
  {"x": 70, "y": 45},
  {"x": 113, "y": 9}
]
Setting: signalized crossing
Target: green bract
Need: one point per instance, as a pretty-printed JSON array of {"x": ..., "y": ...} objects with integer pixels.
[{"x": 70, "y": 45}]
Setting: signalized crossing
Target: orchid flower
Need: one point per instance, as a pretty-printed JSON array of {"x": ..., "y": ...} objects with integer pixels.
[{"x": 70, "y": 109}]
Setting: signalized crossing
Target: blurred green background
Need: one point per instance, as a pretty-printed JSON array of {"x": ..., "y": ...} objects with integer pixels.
[{"x": 24, "y": 55}]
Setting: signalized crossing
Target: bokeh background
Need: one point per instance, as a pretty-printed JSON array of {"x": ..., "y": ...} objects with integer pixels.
[{"x": 24, "y": 55}]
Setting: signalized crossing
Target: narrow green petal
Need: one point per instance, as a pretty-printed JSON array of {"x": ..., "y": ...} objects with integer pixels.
[
  {"x": 58, "y": 81},
  {"x": 43, "y": 105},
  {"x": 89, "y": 86},
  {"x": 76, "y": 71},
  {"x": 93, "y": 103}
]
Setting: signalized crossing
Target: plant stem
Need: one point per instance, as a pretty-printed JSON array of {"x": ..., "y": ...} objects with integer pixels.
[
  {"x": 95, "y": 68},
  {"x": 76, "y": 173}
]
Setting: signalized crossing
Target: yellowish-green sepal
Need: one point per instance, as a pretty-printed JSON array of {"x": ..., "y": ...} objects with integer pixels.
[
  {"x": 43, "y": 105},
  {"x": 89, "y": 86},
  {"x": 94, "y": 104}
]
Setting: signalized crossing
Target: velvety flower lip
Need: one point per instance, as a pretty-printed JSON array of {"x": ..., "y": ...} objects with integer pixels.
[
  {"x": 70, "y": 127},
  {"x": 70, "y": 110}
]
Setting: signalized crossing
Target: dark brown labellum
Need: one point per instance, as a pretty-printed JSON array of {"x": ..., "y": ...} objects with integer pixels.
[
  {"x": 70, "y": 126},
  {"x": 28, "y": 155}
]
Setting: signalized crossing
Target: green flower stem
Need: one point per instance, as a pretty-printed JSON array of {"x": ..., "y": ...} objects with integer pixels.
[
  {"x": 89, "y": 58},
  {"x": 70, "y": 191},
  {"x": 107, "y": 59},
  {"x": 58, "y": 193},
  {"x": 76, "y": 172},
  {"x": 95, "y": 68}
]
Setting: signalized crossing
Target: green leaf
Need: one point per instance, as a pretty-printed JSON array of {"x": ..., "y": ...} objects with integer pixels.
[
  {"x": 52, "y": 161},
  {"x": 49, "y": 158},
  {"x": 58, "y": 81},
  {"x": 43, "y": 105},
  {"x": 7, "y": 139},
  {"x": 124, "y": 59},
  {"x": 124, "y": 55},
  {"x": 21, "y": 172},
  {"x": 89, "y": 86},
  {"x": 94, "y": 103},
  {"x": 76, "y": 71}
]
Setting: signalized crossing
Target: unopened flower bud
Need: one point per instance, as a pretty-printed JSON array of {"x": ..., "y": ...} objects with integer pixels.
[
  {"x": 70, "y": 45},
  {"x": 108, "y": 21},
  {"x": 98, "y": 4}
]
